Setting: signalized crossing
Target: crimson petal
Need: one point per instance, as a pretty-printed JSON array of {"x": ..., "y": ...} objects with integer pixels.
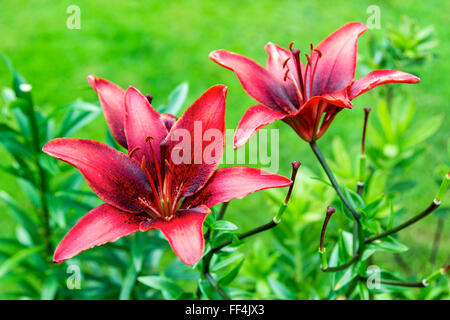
[
  {"x": 255, "y": 118},
  {"x": 336, "y": 68},
  {"x": 310, "y": 122},
  {"x": 207, "y": 113},
  {"x": 184, "y": 232},
  {"x": 276, "y": 65},
  {"x": 113, "y": 176},
  {"x": 235, "y": 183},
  {"x": 258, "y": 82},
  {"x": 111, "y": 100},
  {"x": 142, "y": 121},
  {"x": 378, "y": 77},
  {"x": 102, "y": 224}
]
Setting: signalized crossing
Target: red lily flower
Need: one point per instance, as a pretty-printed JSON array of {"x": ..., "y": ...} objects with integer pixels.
[
  {"x": 147, "y": 189},
  {"x": 307, "y": 97}
]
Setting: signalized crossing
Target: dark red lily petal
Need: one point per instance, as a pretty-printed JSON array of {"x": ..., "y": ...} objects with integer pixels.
[
  {"x": 142, "y": 121},
  {"x": 113, "y": 176},
  {"x": 99, "y": 226},
  {"x": 206, "y": 114},
  {"x": 254, "y": 119},
  {"x": 310, "y": 123},
  {"x": 184, "y": 233},
  {"x": 258, "y": 82},
  {"x": 276, "y": 65},
  {"x": 378, "y": 77},
  {"x": 336, "y": 68},
  {"x": 111, "y": 100},
  {"x": 235, "y": 183}
]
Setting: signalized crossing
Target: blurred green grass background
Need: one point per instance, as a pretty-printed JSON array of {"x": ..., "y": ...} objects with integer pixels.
[{"x": 155, "y": 45}]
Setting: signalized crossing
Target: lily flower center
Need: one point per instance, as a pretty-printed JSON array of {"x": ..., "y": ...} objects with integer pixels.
[
  {"x": 302, "y": 80},
  {"x": 166, "y": 202}
]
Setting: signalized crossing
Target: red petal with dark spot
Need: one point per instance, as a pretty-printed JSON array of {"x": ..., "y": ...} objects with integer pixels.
[
  {"x": 235, "y": 183},
  {"x": 113, "y": 176},
  {"x": 205, "y": 115}
]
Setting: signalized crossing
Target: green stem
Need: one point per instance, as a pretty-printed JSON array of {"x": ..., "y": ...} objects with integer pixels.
[
  {"x": 342, "y": 267},
  {"x": 358, "y": 232},
  {"x": 433, "y": 206},
  {"x": 399, "y": 283},
  {"x": 216, "y": 286},
  {"x": 333, "y": 181},
  {"x": 43, "y": 184},
  {"x": 252, "y": 232}
]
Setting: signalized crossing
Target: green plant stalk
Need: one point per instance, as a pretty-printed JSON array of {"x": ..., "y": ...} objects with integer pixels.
[
  {"x": 362, "y": 174},
  {"x": 433, "y": 206},
  {"x": 358, "y": 232},
  {"x": 332, "y": 179},
  {"x": 43, "y": 184},
  {"x": 323, "y": 259}
]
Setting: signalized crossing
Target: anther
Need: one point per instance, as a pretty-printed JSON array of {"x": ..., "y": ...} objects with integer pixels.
[
  {"x": 131, "y": 153},
  {"x": 318, "y": 52},
  {"x": 290, "y": 45},
  {"x": 308, "y": 58},
  {"x": 286, "y": 75}
]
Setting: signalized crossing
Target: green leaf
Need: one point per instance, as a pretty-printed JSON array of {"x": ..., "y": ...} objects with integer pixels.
[
  {"x": 80, "y": 114},
  {"x": 363, "y": 291},
  {"x": 128, "y": 283},
  {"x": 20, "y": 216},
  {"x": 18, "y": 79},
  {"x": 345, "y": 246},
  {"x": 223, "y": 225},
  {"x": 50, "y": 288},
  {"x": 17, "y": 258},
  {"x": 423, "y": 132},
  {"x": 389, "y": 244},
  {"x": 170, "y": 288},
  {"x": 137, "y": 251},
  {"x": 280, "y": 290},
  {"x": 385, "y": 120},
  {"x": 177, "y": 98},
  {"x": 348, "y": 275},
  {"x": 229, "y": 277},
  {"x": 226, "y": 262}
]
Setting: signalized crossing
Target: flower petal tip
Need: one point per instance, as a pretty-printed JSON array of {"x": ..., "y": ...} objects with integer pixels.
[{"x": 92, "y": 81}]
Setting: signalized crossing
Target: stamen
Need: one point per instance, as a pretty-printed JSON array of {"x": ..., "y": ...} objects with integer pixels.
[
  {"x": 313, "y": 73},
  {"x": 285, "y": 62},
  {"x": 286, "y": 75},
  {"x": 131, "y": 153},
  {"x": 152, "y": 184},
  {"x": 318, "y": 52},
  {"x": 158, "y": 168},
  {"x": 296, "y": 54}
]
